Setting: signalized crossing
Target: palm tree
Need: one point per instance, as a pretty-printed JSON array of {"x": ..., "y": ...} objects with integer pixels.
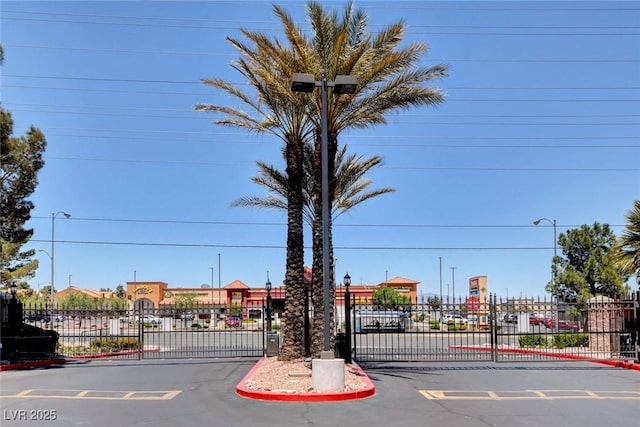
[
  {"x": 268, "y": 68},
  {"x": 628, "y": 245},
  {"x": 389, "y": 78},
  {"x": 351, "y": 187}
]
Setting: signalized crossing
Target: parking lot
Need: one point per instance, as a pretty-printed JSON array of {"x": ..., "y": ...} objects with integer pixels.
[{"x": 202, "y": 392}]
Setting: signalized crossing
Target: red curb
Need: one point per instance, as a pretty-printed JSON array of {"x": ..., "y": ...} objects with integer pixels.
[
  {"x": 119, "y": 353},
  {"x": 243, "y": 391},
  {"x": 615, "y": 363},
  {"x": 47, "y": 362},
  {"x": 34, "y": 364}
]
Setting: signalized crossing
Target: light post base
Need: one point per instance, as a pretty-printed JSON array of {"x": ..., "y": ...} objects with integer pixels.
[{"x": 327, "y": 374}]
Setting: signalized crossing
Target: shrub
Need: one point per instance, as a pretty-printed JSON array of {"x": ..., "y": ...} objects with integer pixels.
[
  {"x": 114, "y": 344},
  {"x": 452, "y": 326},
  {"x": 196, "y": 325},
  {"x": 570, "y": 340},
  {"x": 533, "y": 341},
  {"x": 150, "y": 325},
  {"x": 434, "y": 324},
  {"x": 419, "y": 317}
]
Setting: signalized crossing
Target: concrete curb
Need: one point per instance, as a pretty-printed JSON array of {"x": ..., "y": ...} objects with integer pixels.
[
  {"x": 615, "y": 363},
  {"x": 243, "y": 391}
]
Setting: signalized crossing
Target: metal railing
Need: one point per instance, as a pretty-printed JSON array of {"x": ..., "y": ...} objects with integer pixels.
[
  {"x": 501, "y": 330},
  {"x": 170, "y": 332}
]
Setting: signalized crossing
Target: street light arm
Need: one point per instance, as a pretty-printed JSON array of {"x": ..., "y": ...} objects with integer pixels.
[
  {"x": 537, "y": 221},
  {"x": 52, "y": 254}
]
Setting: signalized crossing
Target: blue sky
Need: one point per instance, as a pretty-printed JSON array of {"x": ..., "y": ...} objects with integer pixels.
[{"x": 540, "y": 120}]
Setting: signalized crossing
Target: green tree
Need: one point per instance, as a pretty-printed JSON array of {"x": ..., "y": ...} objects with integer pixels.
[
  {"x": 120, "y": 292},
  {"x": 586, "y": 267},
  {"x": 627, "y": 249},
  {"x": 20, "y": 162},
  {"x": 388, "y": 298},
  {"x": 434, "y": 302},
  {"x": 77, "y": 301},
  {"x": 114, "y": 303},
  {"x": 184, "y": 301}
]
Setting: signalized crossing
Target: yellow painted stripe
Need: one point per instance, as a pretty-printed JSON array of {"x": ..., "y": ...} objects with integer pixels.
[{"x": 535, "y": 395}]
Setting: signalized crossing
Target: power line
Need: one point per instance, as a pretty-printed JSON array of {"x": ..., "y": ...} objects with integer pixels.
[
  {"x": 232, "y": 55},
  {"x": 192, "y": 111},
  {"x": 125, "y": 140},
  {"x": 198, "y": 116},
  {"x": 403, "y": 168},
  {"x": 155, "y": 92},
  {"x": 238, "y": 246},
  {"x": 98, "y": 134},
  {"x": 428, "y": 30},
  {"x": 200, "y": 84},
  {"x": 354, "y": 225}
]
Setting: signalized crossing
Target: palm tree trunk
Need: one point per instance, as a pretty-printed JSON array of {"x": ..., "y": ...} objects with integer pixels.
[{"x": 292, "y": 347}]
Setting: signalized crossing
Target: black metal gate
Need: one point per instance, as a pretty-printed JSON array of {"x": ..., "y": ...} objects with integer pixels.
[
  {"x": 500, "y": 330},
  {"x": 173, "y": 332}
]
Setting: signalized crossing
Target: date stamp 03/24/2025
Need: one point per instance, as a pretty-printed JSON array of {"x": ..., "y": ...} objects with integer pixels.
[{"x": 29, "y": 414}]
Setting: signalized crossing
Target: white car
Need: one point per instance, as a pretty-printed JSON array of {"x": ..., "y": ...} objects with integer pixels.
[
  {"x": 148, "y": 319},
  {"x": 456, "y": 319}
]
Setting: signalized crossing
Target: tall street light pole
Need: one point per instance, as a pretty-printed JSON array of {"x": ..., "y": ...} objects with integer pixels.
[
  {"x": 302, "y": 82},
  {"x": 441, "y": 301},
  {"x": 555, "y": 253},
  {"x": 53, "y": 225},
  {"x": 555, "y": 243},
  {"x": 453, "y": 283},
  {"x": 211, "y": 310}
]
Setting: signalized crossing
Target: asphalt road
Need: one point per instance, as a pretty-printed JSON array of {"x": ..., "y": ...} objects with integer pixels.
[{"x": 202, "y": 392}]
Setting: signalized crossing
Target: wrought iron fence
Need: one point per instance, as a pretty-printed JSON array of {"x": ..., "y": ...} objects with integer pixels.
[
  {"x": 169, "y": 332},
  {"x": 502, "y": 330}
]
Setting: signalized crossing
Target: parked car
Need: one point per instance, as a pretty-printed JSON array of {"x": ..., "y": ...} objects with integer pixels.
[
  {"x": 563, "y": 325},
  {"x": 536, "y": 319},
  {"x": 148, "y": 319},
  {"x": 390, "y": 326},
  {"x": 456, "y": 319},
  {"x": 187, "y": 315},
  {"x": 510, "y": 318},
  {"x": 59, "y": 318},
  {"x": 233, "y": 322},
  {"x": 37, "y": 316}
]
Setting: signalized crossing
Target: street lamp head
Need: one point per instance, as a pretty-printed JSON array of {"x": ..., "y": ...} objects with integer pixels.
[
  {"x": 267, "y": 286},
  {"x": 14, "y": 289},
  {"x": 347, "y": 280},
  {"x": 537, "y": 222},
  {"x": 345, "y": 84},
  {"x": 303, "y": 82}
]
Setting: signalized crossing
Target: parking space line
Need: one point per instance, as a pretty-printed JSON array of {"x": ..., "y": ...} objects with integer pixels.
[
  {"x": 95, "y": 394},
  {"x": 528, "y": 395}
]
